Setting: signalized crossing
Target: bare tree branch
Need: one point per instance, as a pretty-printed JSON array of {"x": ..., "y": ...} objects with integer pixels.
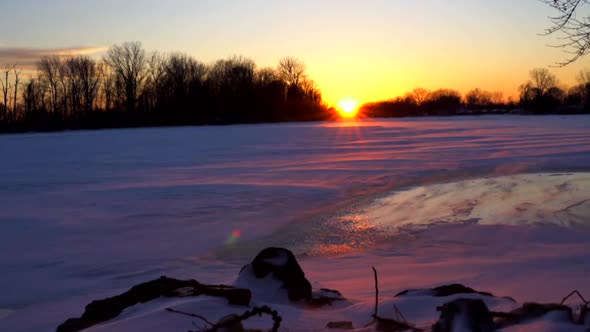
[
  {"x": 573, "y": 31},
  {"x": 5, "y": 83},
  {"x": 129, "y": 64},
  {"x": 16, "y": 73},
  {"x": 291, "y": 70}
]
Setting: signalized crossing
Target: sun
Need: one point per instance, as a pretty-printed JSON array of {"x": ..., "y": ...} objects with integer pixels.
[{"x": 348, "y": 107}]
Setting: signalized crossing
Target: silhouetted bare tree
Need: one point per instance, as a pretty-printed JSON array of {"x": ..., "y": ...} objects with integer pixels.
[
  {"x": 181, "y": 87},
  {"x": 291, "y": 70},
  {"x": 90, "y": 72},
  {"x": 33, "y": 96},
  {"x": 182, "y": 73},
  {"x": 107, "y": 88},
  {"x": 128, "y": 63},
  {"x": 311, "y": 91},
  {"x": 497, "y": 98},
  {"x": 266, "y": 76},
  {"x": 231, "y": 74},
  {"x": 231, "y": 84},
  {"x": 72, "y": 86},
  {"x": 540, "y": 83},
  {"x": 397, "y": 107},
  {"x": 572, "y": 24},
  {"x": 16, "y": 71},
  {"x": 5, "y": 84},
  {"x": 478, "y": 98},
  {"x": 583, "y": 77},
  {"x": 542, "y": 79},
  {"x": 420, "y": 95},
  {"x": 49, "y": 68},
  {"x": 579, "y": 95},
  {"x": 84, "y": 79},
  {"x": 442, "y": 102},
  {"x": 154, "y": 80},
  {"x": 541, "y": 94},
  {"x": 83, "y": 92}
]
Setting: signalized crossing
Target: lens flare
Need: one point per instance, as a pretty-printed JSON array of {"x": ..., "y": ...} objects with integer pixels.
[{"x": 233, "y": 237}]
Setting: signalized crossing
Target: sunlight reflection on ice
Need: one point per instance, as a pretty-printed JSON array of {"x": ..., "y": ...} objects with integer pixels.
[
  {"x": 514, "y": 200},
  {"x": 519, "y": 200}
]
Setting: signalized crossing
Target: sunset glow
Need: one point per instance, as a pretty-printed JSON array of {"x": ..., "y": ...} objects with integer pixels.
[
  {"x": 491, "y": 45},
  {"x": 192, "y": 159},
  {"x": 348, "y": 108}
]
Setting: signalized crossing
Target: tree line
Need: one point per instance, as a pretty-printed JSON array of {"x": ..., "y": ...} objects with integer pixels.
[
  {"x": 541, "y": 94},
  {"x": 129, "y": 87}
]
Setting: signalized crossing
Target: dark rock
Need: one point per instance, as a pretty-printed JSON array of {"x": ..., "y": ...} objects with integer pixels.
[
  {"x": 325, "y": 297},
  {"x": 340, "y": 325},
  {"x": 470, "y": 314},
  {"x": 102, "y": 310},
  {"x": 446, "y": 290},
  {"x": 585, "y": 317},
  {"x": 282, "y": 265}
]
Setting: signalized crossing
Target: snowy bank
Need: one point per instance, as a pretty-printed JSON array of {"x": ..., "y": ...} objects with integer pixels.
[{"x": 274, "y": 278}]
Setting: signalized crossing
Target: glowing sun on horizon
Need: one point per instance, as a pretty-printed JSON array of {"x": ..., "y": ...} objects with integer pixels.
[{"x": 348, "y": 108}]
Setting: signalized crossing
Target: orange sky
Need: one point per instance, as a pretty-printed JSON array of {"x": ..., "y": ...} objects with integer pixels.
[{"x": 368, "y": 50}]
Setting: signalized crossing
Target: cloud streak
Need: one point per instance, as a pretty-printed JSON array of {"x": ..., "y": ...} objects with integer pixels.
[{"x": 26, "y": 58}]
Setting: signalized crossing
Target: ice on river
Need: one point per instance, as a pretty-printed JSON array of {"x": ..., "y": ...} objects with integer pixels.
[{"x": 495, "y": 201}]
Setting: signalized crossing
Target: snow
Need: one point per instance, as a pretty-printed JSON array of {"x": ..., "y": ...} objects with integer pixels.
[
  {"x": 551, "y": 322},
  {"x": 498, "y": 203},
  {"x": 268, "y": 289}
]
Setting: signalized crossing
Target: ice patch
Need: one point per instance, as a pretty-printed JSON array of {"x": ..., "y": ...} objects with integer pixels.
[
  {"x": 560, "y": 199},
  {"x": 554, "y": 321},
  {"x": 83, "y": 213}
]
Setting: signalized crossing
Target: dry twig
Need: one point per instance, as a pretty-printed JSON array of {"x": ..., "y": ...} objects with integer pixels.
[
  {"x": 250, "y": 313},
  {"x": 575, "y": 292},
  {"x": 190, "y": 315},
  {"x": 376, "y": 292},
  {"x": 386, "y": 324}
]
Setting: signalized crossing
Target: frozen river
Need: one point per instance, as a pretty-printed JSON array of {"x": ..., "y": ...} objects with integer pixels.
[{"x": 84, "y": 213}]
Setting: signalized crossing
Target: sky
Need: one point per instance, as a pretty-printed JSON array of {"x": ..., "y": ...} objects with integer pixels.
[{"x": 367, "y": 50}]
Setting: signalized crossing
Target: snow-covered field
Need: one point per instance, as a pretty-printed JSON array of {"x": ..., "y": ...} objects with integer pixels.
[{"x": 499, "y": 203}]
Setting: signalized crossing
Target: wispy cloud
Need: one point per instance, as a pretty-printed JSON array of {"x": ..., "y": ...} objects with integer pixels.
[{"x": 26, "y": 58}]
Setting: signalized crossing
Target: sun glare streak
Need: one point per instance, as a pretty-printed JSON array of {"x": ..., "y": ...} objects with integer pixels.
[{"x": 348, "y": 107}]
